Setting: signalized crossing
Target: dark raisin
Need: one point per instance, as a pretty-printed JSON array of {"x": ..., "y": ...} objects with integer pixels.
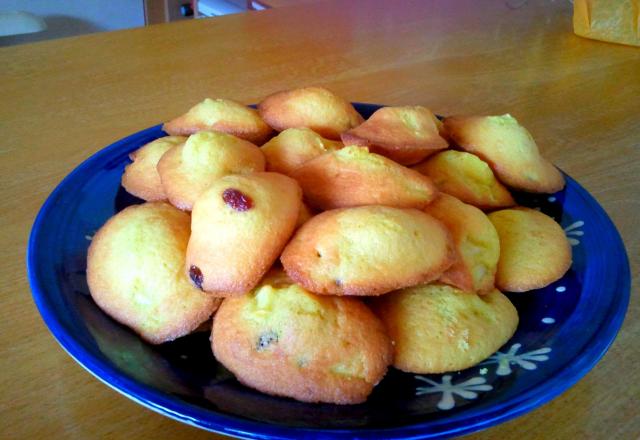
[
  {"x": 338, "y": 282},
  {"x": 266, "y": 339},
  {"x": 196, "y": 276},
  {"x": 237, "y": 200}
]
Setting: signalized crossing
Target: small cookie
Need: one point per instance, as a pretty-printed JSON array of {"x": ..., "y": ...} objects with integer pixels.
[
  {"x": 141, "y": 177},
  {"x": 283, "y": 340},
  {"x": 406, "y": 135},
  {"x": 354, "y": 177},
  {"x": 437, "y": 328},
  {"x": 466, "y": 177},
  {"x": 222, "y": 115},
  {"x": 187, "y": 170},
  {"x": 134, "y": 272},
  {"x": 238, "y": 229},
  {"x": 509, "y": 150},
  {"x": 368, "y": 250},
  {"x": 314, "y": 107},
  {"x": 295, "y": 146},
  {"x": 476, "y": 241},
  {"x": 534, "y": 250}
]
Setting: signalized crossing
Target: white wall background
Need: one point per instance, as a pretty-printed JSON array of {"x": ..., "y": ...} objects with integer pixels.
[{"x": 65, "y": 18}]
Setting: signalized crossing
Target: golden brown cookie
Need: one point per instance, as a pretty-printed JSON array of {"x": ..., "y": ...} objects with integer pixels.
[
  {"x": 314, "y": 107},
  {"x": 238, "y": 229},
  {"x": 222, "y": 115},
  {"x": 466, "y": 177},
  {"x": 476, "y": 241},
  {"x": 509, "y": 150},
  {"x": 368, "y": 250},
  {"x": 187, "y": 170},
  {"x": 283, "y": 340},
  {"x": 534, "y": 250},
  {"x": 141, "y": 177},
  {"x": 437, "y": 328},
  {"x": 354, "y": 177},
  {"x": 295, "y": 146},
  {"x": 406, "y": 135},
  {"x": 135, "y": 273}
]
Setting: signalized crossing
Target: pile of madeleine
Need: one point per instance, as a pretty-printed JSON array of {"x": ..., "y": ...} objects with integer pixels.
[{"x": 320, "y": 248}]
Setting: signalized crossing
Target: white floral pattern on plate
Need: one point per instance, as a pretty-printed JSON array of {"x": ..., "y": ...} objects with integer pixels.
[
  {"x": 466, "y": 389},
  {"x": 572, "y": 232},
  {"x": 512, "y": 357}
]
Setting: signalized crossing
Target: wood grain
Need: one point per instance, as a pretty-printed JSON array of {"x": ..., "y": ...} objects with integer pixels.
[{"x": 64, "y": 100}]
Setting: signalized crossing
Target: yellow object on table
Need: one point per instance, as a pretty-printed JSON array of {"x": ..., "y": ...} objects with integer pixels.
[{"x": 616, "y": 21}]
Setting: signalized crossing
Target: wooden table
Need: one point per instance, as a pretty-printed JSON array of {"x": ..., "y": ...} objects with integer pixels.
[{"x": 64, "y": 100}]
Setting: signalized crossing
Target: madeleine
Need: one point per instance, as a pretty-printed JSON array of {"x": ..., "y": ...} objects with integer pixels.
[
  {"x": 222, "y": 115},
  {"x": 370, "y": 250},
  {"x": 406, "y": 135},
  {"x": 508, "y": 148},
  {"x": 353, "y": 176},
  {"x": 314, "y": 107}
]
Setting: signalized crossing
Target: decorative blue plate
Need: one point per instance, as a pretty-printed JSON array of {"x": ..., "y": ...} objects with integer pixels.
[{"x": 564, "y": 330}]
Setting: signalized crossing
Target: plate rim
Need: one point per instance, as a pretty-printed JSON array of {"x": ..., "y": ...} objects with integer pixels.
[{"x": 214, "y": 421}]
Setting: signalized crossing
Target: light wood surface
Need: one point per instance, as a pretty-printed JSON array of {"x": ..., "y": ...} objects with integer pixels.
[{"x": 63, "y": 100}]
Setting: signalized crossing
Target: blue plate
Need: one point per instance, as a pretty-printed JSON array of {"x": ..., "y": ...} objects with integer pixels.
[{"x": 564, "y": 330}]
